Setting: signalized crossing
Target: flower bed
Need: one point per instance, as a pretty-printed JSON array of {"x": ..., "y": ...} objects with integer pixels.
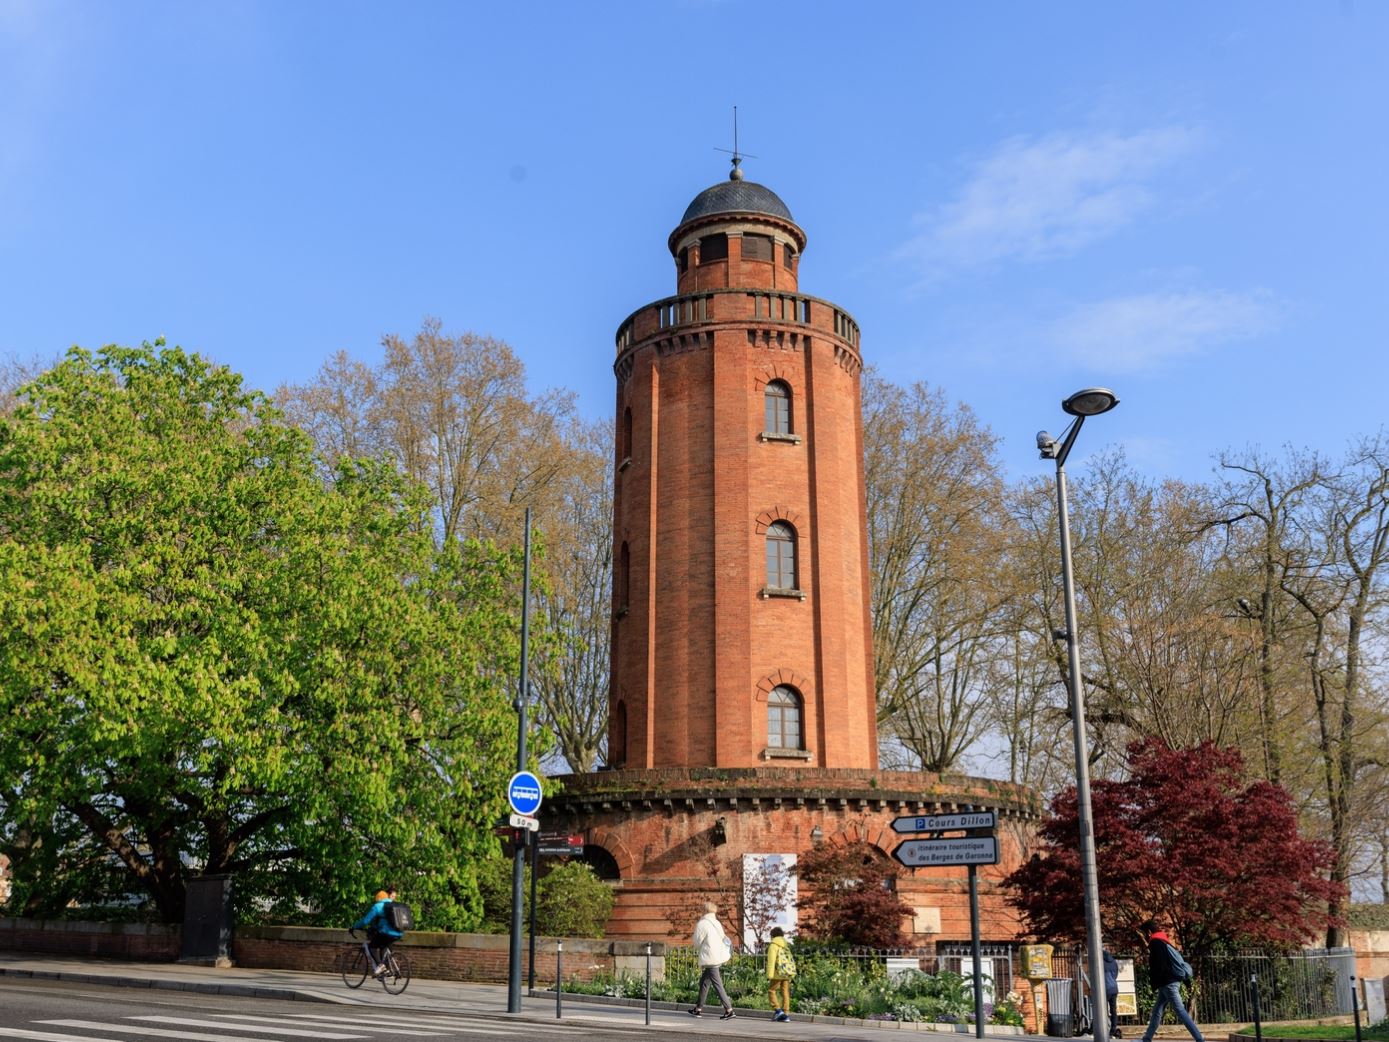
[{"x": 825, "y": 984}]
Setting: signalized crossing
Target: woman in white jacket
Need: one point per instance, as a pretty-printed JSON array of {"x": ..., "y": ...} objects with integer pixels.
[{"x": 713, "y": 949}]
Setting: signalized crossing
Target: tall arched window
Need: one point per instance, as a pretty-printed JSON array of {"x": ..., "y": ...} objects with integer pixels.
[
  {"x": 781, "y": 556},
  {"x": 627, "y": 435},
  {"x": 783, "y": 718},
  {"x": 776, "y": 401}
]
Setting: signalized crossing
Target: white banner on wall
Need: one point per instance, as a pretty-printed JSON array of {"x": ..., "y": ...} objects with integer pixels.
[{"x": 769, "y": 897}]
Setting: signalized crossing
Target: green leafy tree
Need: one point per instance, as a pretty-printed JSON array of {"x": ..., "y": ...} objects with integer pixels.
[{"x": 217, "y": 662}]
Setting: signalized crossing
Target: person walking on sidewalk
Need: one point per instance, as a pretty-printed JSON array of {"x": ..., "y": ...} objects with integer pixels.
[
  {"x": 781, "y": 967},
  {"x": 1167, "y": 971},
  {"x": 714, "y": 949},
  {"x": 1111, "y": 992}
]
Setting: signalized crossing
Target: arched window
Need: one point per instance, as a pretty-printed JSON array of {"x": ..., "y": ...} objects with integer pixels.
[
  {"x": 781, "y": 556},
  {"x": 624, "y": 577},
  {"x": 776, "y": 402},
  {"x": 627, "y": 435},
  {"x": 783, "y": 718},
  {"x": 604, "y": 865}
]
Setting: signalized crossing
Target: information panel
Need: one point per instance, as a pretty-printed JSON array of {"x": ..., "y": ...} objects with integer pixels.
[{"x": 966, "y": 850}]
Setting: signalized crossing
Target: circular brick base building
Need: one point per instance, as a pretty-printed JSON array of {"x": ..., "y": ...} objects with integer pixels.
[
  {"x": 671, "y": 838},
  {"x": 742, "y": 717}
]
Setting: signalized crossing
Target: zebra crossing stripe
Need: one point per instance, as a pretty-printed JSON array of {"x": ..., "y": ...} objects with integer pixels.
[
  {"x": 371, "y": 1021},
  {"x": 471, "y": 1027},
  {"x": 137, "y": 1029},
  {"x": 195, "y": 1023},
  {"x": 362, "y": 1024},
  {"x": 51, "y": 1036}
]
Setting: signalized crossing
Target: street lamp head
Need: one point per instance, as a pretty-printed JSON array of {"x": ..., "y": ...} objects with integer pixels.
[{"x": 1090, "y": 402}]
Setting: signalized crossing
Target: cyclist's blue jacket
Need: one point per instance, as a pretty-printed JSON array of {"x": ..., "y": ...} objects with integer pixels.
[{"x": 375, "y": 920}]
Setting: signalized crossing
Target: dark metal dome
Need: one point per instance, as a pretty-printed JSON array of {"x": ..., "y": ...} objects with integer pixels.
[{"x": 736, "y": 197}]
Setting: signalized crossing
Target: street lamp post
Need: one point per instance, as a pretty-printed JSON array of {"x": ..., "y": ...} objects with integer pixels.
[{"x": 1090, "y": 402}]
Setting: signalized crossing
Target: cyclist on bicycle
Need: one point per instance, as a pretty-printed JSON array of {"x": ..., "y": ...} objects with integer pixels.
[{"x": 380, "y": 932}]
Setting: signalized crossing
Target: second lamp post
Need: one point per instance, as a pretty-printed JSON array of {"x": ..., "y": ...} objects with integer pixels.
[{"x": 1090, "y": 402}]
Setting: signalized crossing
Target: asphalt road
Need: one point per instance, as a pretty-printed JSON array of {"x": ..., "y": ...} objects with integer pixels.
[{"x": 54, "y": 1011}]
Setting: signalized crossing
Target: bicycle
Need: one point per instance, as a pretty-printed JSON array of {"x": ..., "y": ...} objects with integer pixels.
[{"x": 355, "y": 966}]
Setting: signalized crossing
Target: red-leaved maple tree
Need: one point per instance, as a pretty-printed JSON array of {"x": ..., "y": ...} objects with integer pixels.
[
  {"x": 1188, "y": 839},
  {"x": 850, "y": 897}
]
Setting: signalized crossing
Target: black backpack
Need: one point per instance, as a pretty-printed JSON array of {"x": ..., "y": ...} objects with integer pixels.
[{"x": 398, "y": 916}]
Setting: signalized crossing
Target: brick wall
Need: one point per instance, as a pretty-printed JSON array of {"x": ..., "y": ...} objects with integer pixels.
[
  {"x": 444, "y": 956},
  {"x": 1371, "y": 951},
  {"x": 150, "y": 942},
  {"x": 437, "y": 956}
]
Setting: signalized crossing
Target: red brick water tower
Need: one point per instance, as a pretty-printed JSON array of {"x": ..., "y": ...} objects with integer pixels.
[{"x": 742, "y": 709}]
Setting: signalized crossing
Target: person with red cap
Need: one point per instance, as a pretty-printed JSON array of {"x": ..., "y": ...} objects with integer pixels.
[{"x": 1165, "y": 974}]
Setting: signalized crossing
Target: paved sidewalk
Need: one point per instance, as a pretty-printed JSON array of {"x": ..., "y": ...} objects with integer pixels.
[{"x": 434, "y": 996}]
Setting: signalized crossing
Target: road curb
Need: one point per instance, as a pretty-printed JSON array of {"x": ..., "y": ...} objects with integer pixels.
[{"x": 110, "y": 981}]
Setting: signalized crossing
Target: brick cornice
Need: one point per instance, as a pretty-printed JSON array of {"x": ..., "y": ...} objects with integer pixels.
[{"x": 903, "y": 792}]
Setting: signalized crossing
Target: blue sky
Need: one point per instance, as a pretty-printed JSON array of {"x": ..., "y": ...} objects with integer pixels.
[{"x": 1182, "y": 201}]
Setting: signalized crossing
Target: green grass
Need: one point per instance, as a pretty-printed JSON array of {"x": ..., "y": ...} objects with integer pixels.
[{"x": 1337, "y": 1032}]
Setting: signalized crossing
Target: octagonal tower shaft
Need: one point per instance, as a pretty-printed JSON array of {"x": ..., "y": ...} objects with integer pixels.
[{"x": 741, "y": 632}]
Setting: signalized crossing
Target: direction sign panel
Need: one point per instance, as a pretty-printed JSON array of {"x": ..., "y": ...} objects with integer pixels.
[
  {"x": 560, "y": 845},
  {"x": 523, "y": 793},
  {"x": 983, "y": 819},
  {"x": 966, "y": 850}
]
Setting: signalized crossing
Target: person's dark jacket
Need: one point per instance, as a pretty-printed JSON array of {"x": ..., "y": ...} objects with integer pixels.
[
  {"x": 1162, "y": 970},
  {"x": 1111, "y": 974}
]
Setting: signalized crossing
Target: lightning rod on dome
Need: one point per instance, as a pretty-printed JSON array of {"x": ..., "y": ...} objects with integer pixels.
[{"x": 736, "y": 174}]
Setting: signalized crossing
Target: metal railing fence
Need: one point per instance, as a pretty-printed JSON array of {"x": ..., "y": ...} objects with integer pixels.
[{"x": 1292, "y": 985}]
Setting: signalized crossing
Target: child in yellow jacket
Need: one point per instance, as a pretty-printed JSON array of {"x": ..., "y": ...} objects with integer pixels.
[{"x": 781, "y": 967}]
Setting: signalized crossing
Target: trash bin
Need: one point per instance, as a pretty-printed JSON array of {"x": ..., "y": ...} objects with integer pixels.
[{"x": 1061, "y": 1021}]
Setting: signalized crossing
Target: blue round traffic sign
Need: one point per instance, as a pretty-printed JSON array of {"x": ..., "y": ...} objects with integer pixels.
[{"x": 523, "y": 792}]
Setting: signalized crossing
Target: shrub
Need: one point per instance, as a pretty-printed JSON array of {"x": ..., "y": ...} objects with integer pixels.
[
  {"x": 1008, "y": 1011},
  {"x": 570, "y": 902},
  {"x": 573, "y": 902}
]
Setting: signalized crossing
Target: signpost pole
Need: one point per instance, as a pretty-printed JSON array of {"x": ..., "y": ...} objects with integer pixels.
[
  {"x": 518, "y": 864},
  {"x": 534, "y": 837},
  {"x": 975, "y": 952}
]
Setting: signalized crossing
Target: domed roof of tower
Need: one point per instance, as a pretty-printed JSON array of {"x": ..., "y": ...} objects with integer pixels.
[{"x": 736, "y": 196}]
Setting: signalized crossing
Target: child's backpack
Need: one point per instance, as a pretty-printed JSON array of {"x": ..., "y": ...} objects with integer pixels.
[
  {"x": 399, "y": 916},
  {"x": 786, "y": 964}
]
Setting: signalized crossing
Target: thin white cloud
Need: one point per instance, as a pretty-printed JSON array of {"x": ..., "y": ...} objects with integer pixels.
[
  {"x": 1140, "y": 332},
  {"x": 1036, "y": 198}
]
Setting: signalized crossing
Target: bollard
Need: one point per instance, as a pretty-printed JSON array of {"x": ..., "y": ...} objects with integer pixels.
[
  {"x": 1355, "y": 1007},
  {"x": 559, "y": 979},
  {"x": 1258, "y": 1028},
  {"x": 648, "y": 983}
]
